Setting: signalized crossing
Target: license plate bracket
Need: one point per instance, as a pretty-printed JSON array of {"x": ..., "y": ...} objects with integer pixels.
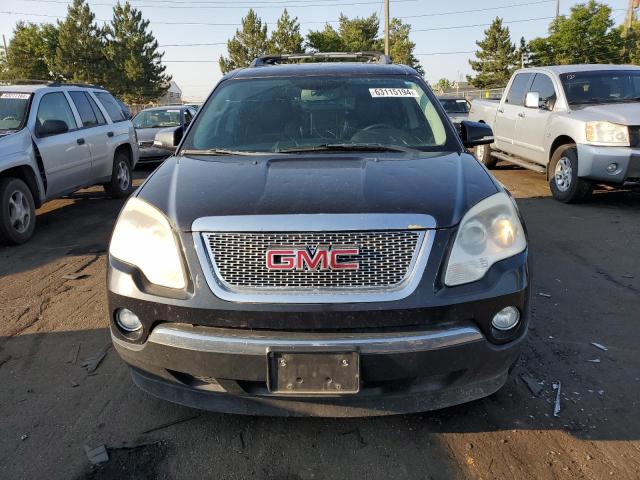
[{"x": 314, "y": 373}]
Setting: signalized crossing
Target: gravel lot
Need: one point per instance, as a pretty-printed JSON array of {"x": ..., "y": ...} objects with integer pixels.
[{"x": 586, "y": 288}]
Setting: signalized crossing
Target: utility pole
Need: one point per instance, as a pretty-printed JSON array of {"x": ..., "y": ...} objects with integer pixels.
[
  {"x": 6, "y": 52},
  {"x": 557, "y": 8},
  {"x": 630, "y": 15},
  {"x": 386, "y": 27}
]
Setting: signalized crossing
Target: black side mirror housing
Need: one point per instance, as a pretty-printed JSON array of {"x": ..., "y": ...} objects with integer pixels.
[
  {"x": 52, "y": 127},
  {"x": 475, "y": 133},
  {"x": 169, "y": 138}
]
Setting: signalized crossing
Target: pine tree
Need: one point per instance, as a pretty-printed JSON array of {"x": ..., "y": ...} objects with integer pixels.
[
  {"x": 79, "y": 56},
  {"x": 524, "y": 53},
  {"x": 353, "y": 35},
  {"x": 400, "y": 46},
  {"x": 31, "y": 52},
  {"x": 136, "y": 73},
  {"x": 496, "y": 58},
  {"x": 246, "y": 44},
  {"x": 286, "y": 38}
]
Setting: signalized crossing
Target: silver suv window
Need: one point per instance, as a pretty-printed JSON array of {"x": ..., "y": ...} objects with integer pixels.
[{"x": 54, "y": 108}]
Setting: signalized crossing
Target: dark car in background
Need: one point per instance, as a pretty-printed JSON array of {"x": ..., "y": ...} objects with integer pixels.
[
  {"x": 150, "y": 121},
  {"x": 457, "y": 109},
  {"x": 321, "y": 243}
]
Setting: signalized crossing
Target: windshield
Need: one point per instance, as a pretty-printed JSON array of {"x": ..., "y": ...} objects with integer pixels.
[
  {"x": 605, "y": 86},
  {"x": 13, "y": 110},
  {"x": 298, "y": 113},
  {"x": 157, "y": 118},
  {"x": 455, "y": 105}
]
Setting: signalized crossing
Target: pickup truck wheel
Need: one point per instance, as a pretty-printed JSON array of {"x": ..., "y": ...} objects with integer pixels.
[
  {"x": 483, "y": 154},
  {"x": 121, "y": 184},
  {"x": 17, "y": 212},
  {"x": 564, "y": 182}
]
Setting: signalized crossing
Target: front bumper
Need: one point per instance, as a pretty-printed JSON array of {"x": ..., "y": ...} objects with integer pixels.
[
  {"x": 153, "y": 154},
  {"x": 226, "y": 369},
  {"x": 594, "y": 160}
]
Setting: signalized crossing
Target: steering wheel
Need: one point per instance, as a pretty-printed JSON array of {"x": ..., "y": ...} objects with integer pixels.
[{"x": 10, "y": 117}]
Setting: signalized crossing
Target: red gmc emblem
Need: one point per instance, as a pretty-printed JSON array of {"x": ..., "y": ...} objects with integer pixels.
[{"x": 308, "y": 258}]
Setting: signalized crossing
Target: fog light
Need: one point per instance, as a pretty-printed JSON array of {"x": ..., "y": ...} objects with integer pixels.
[
  {"x": 612, "y": 167},
  {"x": 506, "y": 319},
  {"x": 127, "y": 320}
]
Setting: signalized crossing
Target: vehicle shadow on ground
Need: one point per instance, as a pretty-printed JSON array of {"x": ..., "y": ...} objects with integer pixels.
[
  {"x": 45, "y": 385},
  {"x": 79, "y": 224}
]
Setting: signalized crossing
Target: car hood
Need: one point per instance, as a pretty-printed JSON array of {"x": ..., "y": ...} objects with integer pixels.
[
  {"x": 621, "y": 113},
  {"x": 444, "y": 186}
]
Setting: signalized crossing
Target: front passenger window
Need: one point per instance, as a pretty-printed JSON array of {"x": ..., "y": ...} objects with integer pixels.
[
  {"x": 54, "y": 113},
  {"x": 544, "y": 86}
]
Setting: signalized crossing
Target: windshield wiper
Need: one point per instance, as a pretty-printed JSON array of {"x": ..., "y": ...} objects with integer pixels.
[
  {"x": 350, "y": 147},
  {"x": 220, "y": 151}
]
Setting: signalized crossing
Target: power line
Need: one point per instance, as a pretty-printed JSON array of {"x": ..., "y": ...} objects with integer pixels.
[
  {"x": 477, "y": 24},
  {"x": 476, "y": 10},
  {"x": 296, "y": 3}
]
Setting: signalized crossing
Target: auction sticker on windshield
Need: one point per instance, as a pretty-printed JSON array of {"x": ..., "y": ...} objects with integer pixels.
[
  {"x": 16, "y": 96},
  {"x": 393, "y": 92}
]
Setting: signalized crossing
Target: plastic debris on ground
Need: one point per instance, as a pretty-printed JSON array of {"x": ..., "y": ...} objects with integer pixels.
[
  {"x": 97, "y": 455},
  {"x": 533, "y": 385},
  {"x": 600, "y": 346},
  {"x": 557, "y": 386},
  {"x": 92, "y": 363}
]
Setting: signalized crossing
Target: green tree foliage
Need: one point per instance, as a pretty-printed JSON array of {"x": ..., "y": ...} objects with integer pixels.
[
  {"x": 248, "y": 43},
  {"x": 497, "y": 58},
  {"x": 443, "y": 85},
  {"x": 524, "y": 53},
  {"x": 286, "y": 38},
  {"x": 136, "y": 73},
  {"x": 631, "y": 41},
  {"x": 585, "y": 36},
  {"x": 31, "y": 52},
  {"x": 400, "y": 46},
  {"x": 353, "y": 35},
  {"x": 361, "y": 34},
  {"x": 80, "y": 56}
]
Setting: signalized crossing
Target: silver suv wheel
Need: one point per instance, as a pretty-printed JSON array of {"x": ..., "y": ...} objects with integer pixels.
[
  {"x": 19, "y": 212},
  {"x": 563, "y": 174},
  {"x": 123, "y": 175}
]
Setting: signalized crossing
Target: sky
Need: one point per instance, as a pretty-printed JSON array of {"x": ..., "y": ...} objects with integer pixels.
[{"x": 444, "y": 32}]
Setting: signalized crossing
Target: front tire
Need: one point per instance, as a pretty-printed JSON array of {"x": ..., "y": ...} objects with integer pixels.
[
  {"x": 483, "y": 154},
  {"x": 564, "y": 182},
  {"x": 17, "y": 212},
  {"x": 121, "y": 184}
]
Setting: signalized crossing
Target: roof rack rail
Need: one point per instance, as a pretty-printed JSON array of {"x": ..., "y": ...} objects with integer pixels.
[
  {"x": 83, "y": 85},
  {"x": 24, "y": 81},
  {"x": 369, "y": 57}
]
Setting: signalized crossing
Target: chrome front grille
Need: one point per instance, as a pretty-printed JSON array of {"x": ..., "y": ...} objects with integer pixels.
[{"x": 385, "y": 260}]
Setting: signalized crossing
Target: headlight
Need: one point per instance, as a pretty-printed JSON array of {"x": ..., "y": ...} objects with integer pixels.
[
  {"x": 607, "y": 132},
  {"x": 489, "y": 232},
  {"x": 143, "y": 237}
]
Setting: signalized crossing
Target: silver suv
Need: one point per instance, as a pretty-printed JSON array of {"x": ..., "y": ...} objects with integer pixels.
[{"x": 56, "y": 139}]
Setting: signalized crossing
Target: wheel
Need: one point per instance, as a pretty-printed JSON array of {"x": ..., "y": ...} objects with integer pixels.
[
  {"x": 483, "y": 154},
  {"x": 564, "y": 182},
  {"x": 17, "y": 212},
  {"x": 121, "y": 184}
]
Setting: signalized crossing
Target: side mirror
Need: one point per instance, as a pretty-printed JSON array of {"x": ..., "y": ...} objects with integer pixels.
[
  {"x": 168, "y": 138},
  {"x": 475, "y": 133},
  {"x": 52, "y": 127},
  {"x": 532, "y": 100}
]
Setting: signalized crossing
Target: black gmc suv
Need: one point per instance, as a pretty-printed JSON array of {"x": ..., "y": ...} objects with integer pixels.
[{"x": 321, "y": 243}]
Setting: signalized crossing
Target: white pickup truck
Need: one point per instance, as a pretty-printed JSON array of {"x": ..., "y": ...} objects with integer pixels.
[{"x": 579, "y": 124}]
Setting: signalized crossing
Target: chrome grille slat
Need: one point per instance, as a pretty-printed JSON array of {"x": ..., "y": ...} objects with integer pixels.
[{"x": 386, "y": 260}]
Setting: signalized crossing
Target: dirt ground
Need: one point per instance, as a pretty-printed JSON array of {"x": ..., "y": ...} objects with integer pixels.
[{"x": 586, "y": 288}]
